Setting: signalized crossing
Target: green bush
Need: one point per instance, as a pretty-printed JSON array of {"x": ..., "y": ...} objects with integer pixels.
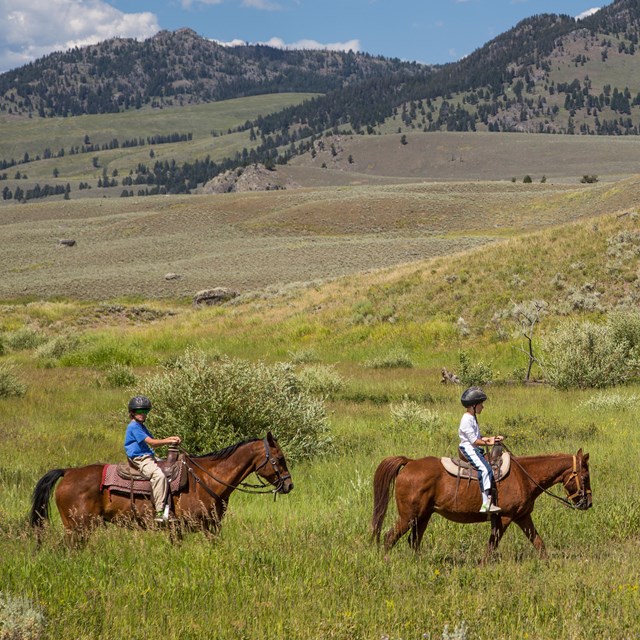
[
  {"x": 104, "y": 351},
  {"x": 604, "y": 401},
  {"x": 120, "y": 375},
  {"x": 303, "y": 356},
  {"x": 25, "y": 338},
  {"x": 394, "y": 359},
  {"x": 321, "y": 380},
  {"x": 411, "y": 416},
  {"x": 214, "y": 404},
  {"x": 470, "y": 373},
  {"x": 20, "y": 619},
  {"x": 625, "y": 327},
  {"x": 587, "y": 355},
  {"x": 58, "y": 347},
  {"x": 10, "y": 385}
]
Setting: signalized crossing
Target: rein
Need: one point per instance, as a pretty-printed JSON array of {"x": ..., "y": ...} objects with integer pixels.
[
  {"x": 244, "y": 487},
  {"x": 574, "y": 475}
]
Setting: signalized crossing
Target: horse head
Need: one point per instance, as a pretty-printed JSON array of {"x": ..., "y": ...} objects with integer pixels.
[
  {"x": 273, "y": 467},
  {"x": 577, "y": 482}
]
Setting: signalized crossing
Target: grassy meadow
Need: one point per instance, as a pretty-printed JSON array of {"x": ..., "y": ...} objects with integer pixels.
[
  {"x": 267, "y": 240},
  {"x": 303, "y": 567}
]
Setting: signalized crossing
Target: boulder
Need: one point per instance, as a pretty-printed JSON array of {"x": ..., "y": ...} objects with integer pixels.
[
  {"x": 252, "y": 178},
  {"x": 172, "y": 276},
  {"x": 210, "y": 297},
  {"x": 67, "y": 243}
]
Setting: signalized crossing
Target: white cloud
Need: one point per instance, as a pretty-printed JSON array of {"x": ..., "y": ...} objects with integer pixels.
[
  {"x": 279, "y": 43},
  {"x": 265, "y": 5},
  {"x": 186, "y": 4},
  {"x": 587, "y": 13},
  {"x": 38, "y": 27}
]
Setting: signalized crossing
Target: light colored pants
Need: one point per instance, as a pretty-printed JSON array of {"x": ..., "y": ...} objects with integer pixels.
[
  {"x": 480, "y": 464},
  {"x": 147, "y": 466}
]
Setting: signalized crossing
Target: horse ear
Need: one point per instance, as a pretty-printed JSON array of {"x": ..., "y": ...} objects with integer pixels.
[
  {"x": 585, "y": 458},
  {"x": 270, "y": 438},
  {"x": 579, "y": 452}
]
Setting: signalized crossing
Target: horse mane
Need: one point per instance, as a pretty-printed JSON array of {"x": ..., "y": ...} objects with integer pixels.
[
  {"x": 227, "y": 451},
  {"x": 544, "y": 455}
]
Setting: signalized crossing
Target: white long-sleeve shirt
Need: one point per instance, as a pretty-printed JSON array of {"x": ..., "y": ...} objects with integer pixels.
[{"x": 469, "y": 430}]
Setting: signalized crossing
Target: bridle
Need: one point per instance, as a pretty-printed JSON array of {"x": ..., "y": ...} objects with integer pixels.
[
  {"x": 244, "y": 487},
  {"x": 280, "y": 478},
  {"x": 581, "y": 490}
]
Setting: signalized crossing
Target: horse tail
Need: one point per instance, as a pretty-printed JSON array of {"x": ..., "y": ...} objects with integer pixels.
[
  {"x": 383, "y": 481},
  {"x": 42, "y": 495}
]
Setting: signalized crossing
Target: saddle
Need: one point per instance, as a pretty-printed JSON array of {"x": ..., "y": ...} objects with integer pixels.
[
  {"x": 123, "y": 478},
  {"x": 500, "y": 464}
]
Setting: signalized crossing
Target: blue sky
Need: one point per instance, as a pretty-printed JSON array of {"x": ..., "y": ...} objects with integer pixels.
[{"x": 428, "y": 31}]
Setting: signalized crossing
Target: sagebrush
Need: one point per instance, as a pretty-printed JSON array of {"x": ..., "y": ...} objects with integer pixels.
[{"x": 213, "y": 404}]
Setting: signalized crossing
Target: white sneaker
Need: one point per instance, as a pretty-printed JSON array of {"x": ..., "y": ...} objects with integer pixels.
[
  {"x": 494, "y": 508},
  {"x": 485, "y": 507}
]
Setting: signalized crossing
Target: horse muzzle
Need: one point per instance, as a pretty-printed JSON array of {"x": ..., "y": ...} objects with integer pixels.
[{"x": 286, "y": 486}]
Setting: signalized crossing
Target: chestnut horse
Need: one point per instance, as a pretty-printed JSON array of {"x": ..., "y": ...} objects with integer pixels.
[
  {"x": 424, "y": 487},
  {"x": 201, "y": 505}
]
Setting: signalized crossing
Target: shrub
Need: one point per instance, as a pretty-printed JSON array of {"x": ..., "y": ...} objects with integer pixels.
[
  {"x": 473, "y": 374},
  {"x": 589, "y": 179},
  {"x": 25, "y": 338},
  {"x": 394, "y": 359},
  {"x": 58, "y": 347},
  {"x": 214, "y": 404},
  {"x": 10, "y": 385},
  {"x": 120, "y": 375},
  {"x": 527, "y": 179},
  {"x": 609, "y": 401},
  {"x": 3, "y": 348},
  {"x": 587, "y": 355},
  {"x": 303, "y": 356},
  {"x": 411, "y": 416},
  {"x": 322, "y": 380},
  {"x": 625, "y": 327},
  {"x": 20, "y": 619}
]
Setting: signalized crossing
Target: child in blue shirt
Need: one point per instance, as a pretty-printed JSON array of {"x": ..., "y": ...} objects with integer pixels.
[{"x": 138, "y": 443}]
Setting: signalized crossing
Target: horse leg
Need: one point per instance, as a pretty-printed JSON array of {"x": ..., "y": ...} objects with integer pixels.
[
  {"x": 498, "y": 527},
  {"x": 396, "y": 532},
  {"x": 418, "y": 527},
  {"x": 526, "y": 524}
]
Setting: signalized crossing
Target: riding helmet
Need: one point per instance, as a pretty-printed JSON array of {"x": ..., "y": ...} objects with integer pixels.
[
  {"x": 473, "y": 396},
  {"x": 139, "y": 402}
]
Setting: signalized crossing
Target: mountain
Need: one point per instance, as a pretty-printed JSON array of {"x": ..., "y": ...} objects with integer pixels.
[
  {"x": 549, "y": 74},
  {"x": 177, "y": 68}
]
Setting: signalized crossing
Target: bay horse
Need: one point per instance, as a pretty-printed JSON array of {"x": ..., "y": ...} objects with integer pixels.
[
  {"x": 424, "y": 487},
  {"x": 212, "y": 478}
]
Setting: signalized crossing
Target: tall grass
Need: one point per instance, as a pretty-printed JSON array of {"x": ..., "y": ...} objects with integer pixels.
[{"x": 273, "y": 559}]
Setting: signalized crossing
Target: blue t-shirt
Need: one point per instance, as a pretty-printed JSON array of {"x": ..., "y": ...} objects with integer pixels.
[{"x": 134, "y": 444}]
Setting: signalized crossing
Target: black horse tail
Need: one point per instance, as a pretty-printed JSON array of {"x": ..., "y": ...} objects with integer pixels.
[
  {"x": 41, "y": 496},
  {"x": 383, "y": 481}
]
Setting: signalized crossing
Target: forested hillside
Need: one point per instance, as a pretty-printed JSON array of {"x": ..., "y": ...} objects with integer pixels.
[
  {"x": 175, "y": 69},
  {"x": 549, "y": 74}
]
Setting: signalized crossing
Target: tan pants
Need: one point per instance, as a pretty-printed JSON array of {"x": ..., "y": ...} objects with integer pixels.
[{"x": 147, "y": 466}]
